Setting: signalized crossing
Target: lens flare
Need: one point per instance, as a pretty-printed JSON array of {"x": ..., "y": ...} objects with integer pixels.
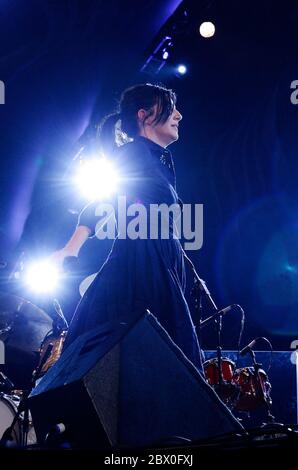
[
  {"x": 42, "y": 276},
  {"x": 96, "y": 179}
]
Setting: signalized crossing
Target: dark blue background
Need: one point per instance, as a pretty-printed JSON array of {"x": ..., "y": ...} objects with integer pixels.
[{"x": 64, "y": 64}]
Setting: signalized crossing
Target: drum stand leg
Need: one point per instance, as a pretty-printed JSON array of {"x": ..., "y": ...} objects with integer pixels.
[
  {"x": 266, "y": 399},
  {"x": 26, "y": 421},
  {"x": 219, "y": 356}
]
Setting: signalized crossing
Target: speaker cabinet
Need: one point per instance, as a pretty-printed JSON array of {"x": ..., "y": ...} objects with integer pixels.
[{"x": 127, "y": 386}]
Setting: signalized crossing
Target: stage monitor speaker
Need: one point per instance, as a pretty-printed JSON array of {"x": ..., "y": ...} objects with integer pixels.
[{"x": 127, "y": 387}]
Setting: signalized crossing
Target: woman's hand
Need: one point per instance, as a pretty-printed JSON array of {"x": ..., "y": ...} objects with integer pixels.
[
  {"x": 58, "y": 257},
  {"x": 71, "y": 249}
]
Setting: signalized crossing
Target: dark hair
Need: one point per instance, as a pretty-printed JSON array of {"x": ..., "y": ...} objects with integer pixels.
[{"x": 143, "y": 96}]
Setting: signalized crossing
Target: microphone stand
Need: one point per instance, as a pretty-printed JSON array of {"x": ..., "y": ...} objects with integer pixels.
[
  {"x": 201, "y": 288},
  {"x": 217, "y": 317}
]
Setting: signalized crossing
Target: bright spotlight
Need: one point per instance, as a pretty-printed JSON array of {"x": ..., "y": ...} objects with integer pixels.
[
  {"x": 41, "y": 276},
  {"x": 207, "y": 29},
  {"x": 96, "y": 179},
  {"x": 165, "y": 55},
  {"x": 181, "y": 69}
]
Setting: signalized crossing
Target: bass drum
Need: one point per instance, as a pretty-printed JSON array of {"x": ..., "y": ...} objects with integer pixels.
[
  {"x": 8, "y": 411},
  {"x": 254, "y": 389}
]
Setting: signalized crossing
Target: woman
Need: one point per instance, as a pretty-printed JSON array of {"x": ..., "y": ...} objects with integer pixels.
[{"x": 139, "y": 274}]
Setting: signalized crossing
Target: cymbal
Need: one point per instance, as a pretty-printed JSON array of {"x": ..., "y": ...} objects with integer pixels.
[{"x": 23, "y": 325}]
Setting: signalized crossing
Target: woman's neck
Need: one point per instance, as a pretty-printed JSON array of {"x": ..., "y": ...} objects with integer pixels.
[{"x": 152, "y": 137}]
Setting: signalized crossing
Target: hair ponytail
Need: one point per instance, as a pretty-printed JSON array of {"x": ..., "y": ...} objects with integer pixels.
[
  {"x": 144, "y": 96},
  {"x": 106, "y": 132}
]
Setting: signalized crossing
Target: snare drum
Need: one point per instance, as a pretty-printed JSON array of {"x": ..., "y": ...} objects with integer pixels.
[{"x": 254, "y": 391}]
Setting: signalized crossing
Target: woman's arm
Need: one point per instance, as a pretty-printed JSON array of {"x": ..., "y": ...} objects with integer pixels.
[
  {"x": 77, "y": 240},
  {"x": 73, "y": 246}
]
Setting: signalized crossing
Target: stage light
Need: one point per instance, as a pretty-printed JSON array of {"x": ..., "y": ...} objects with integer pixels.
[
  {"x": 181, "y": 69},
  {"x": 41, "y": 276},
  {"x": 207, "y": 29},
  {"x": 96, "y": 178},
  {"x": 158, "y": 57}
]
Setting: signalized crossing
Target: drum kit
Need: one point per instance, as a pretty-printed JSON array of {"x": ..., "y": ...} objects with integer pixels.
[
  {"x": 32, "y": 343},
  {"x": 242, "y": 389}
]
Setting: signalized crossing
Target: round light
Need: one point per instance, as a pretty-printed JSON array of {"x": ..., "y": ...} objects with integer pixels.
[
  {"x": 165, "y": 55},
  {"x": 181, "y": 69},
  {"x": 96, "y": 179},
  {"x": 42, "y": 276},
  {"x": 207, "y": 29}
]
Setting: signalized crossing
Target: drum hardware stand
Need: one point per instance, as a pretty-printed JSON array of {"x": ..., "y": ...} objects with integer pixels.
[
  {"x": 22, "y": 407},
  {"x": 266, "y": 399},
  {"x": 197, "y": 297},
  {"x": 5, "y": 384},
  {"x": 59, "y": 324}
]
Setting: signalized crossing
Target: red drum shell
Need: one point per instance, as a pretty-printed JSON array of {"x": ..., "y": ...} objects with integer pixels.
[
  {"x": 253, "y": 391},
  {"x": 212, "y": 372}
]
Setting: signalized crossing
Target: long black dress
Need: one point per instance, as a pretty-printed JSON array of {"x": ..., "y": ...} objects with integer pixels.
[{"x": 141, "y": 274}]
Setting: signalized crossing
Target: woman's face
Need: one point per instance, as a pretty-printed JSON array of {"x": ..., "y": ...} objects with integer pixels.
[{"x": 162, "y": 133}]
